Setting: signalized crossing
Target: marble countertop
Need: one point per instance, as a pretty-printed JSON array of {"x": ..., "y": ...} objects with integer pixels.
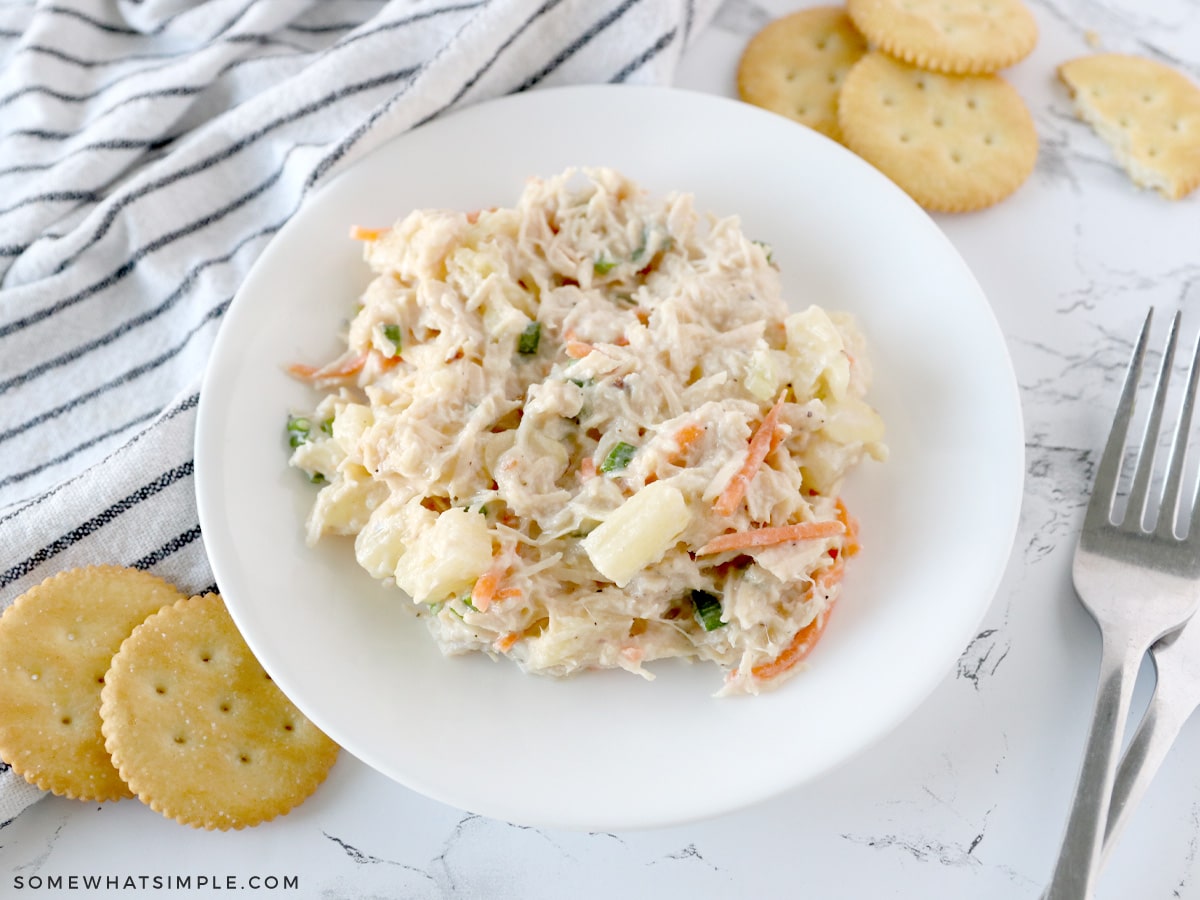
[{"x": 969, "y": 796}]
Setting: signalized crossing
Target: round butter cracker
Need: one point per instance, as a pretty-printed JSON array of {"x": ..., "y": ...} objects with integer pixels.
[
  {"x": 795, "y": 66},
  {"x": 1147, "y": 112},
  {"x": 954, "y": 143},
  {"x": 199, "y": 730},
  {"x": 56, "y": 642},
  {"x": 960, "y": 37}
]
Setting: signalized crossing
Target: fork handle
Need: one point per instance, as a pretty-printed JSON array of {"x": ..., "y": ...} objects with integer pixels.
[
  {"x": 1170, "y": 707},
  {"x": 1075, "y": 872}
]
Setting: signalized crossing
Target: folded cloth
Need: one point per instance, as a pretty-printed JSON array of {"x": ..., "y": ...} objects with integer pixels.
[{"x": 149, "y": 150}]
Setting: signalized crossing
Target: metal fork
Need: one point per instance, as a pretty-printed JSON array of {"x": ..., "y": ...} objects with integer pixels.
[
  {"x": 1176, "y": 696},
  {"x": 1139, "y": 584}
]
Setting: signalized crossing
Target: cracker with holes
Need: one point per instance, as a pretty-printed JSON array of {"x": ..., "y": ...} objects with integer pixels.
[
  {"x": 1147, "y": 112},
  {"x": 56, "y": 642},
  {"x": 795, "y": 66},
  {"x": 957, "y": 37},
  {"x": 198, "y": 729},
  {"x": 954, "y": 143}
]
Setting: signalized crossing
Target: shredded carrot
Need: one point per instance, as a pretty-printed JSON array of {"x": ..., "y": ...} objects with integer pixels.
[
  {"x": 339, "y": 368},
  {"x": 508, "y": 593},
  {"x": 766, "y": 537},
  {"x": 358, "y": 233},
  {"x": 386, "y": 363},
  {"x": 807, "y": 637},
  {"x": 504, "y": 643},
  {"x": 485, "y": 588},
  {"x": 587, "y": 468},
  {"x": 685, "y": 438},
  {"x": 345, "y": 367},
  {"x": 761, "y": 443},
  {"x": 577, "y": 349},
  {"x": 850, "y": 545}
]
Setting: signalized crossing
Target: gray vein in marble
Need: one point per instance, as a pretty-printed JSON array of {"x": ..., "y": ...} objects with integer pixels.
[
  {"x": 1066, "y": 143},
  {"x": 952, "y": 854},
  {"x": 1193, "y": 846},
  {"x": 441, "y": 868},
  {"x": 1067, "y": 383},
  {"x": 447, "y": 882},
  {"x": 35, "y": 864},
  {"x": 983, "y": 656},
  {"x": 686, "y": 853},
  {"x": 1061, "y": 477},
  {"x": 608, "y": 834},
  {"x": 367, "y": 859},
  {"x": 1121, "y": 30}
]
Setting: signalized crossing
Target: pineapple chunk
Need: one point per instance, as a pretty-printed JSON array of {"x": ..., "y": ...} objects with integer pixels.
[
  {"x": 853, "y": 421},
  {"x": 344, "y": 506},
  {"x": 638, "y": 532},
  {"x": 762, "y": 375},
  {"x": 825, "y": 462},
  {"x": 447, "y": 559},
  {"x": 349, "y": 424},
  {"x": 817, "y": 352},
  {"x": 387, "y": 534}
]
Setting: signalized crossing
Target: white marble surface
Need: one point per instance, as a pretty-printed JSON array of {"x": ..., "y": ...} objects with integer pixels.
[{"x": 969, "y": 796}]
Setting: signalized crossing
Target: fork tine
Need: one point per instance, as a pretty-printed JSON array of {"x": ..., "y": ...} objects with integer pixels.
[
  {"x": 1174, "y": 487},
  {"x": 1135, "y": 512},
  {"x": 1104, "y": 490}
]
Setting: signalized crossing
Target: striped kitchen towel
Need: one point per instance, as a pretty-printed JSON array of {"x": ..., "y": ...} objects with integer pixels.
[{"x": 149, "y": 150}]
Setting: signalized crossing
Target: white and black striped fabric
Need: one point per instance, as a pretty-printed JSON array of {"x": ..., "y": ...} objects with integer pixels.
[{"x": 149, "y": 150}]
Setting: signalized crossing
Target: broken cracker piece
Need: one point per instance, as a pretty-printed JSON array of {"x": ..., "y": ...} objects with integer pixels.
[{"x": 1147, "y": 112}]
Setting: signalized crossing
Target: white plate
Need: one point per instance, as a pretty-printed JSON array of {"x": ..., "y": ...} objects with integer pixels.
[{"x": 609, "y": 750}]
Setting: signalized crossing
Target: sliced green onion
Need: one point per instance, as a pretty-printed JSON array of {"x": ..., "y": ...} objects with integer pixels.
[
  {"x": 298, "y": 430},
  {"x": 392, "y": 334},
  {"x": 527, "y": 344},
  {"x": 327, "y": 426},
  {"x": 767, "y": 250},
  {"x": 641, "y": 250},
  {"x": 316, "y": 478},
  {"x": 708, "y": 609},
  {"x": 618, "y": 457},
  {"x": 604, "y": 265}
]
